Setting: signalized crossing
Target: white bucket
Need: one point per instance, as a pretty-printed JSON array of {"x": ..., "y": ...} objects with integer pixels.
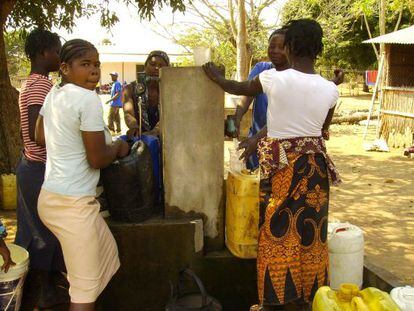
[
  {"x": 202, "y": 55},
  {"x": 404, "y": 297},
  {"x": 346, "y": 254},
  {"x": 11, "y": 283}
]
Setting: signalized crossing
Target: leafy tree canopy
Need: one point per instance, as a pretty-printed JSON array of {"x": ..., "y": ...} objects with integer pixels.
[
  {"x": 345, "y": 27},
  {"x": 62, "y": 13}
]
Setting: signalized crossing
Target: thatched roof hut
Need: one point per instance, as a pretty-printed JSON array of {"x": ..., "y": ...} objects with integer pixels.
[{"x": 397, "y": 86}]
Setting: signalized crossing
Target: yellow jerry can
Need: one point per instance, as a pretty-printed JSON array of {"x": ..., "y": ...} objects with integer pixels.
[
  {"x": 8, "y": 191},
  {"x": 350, "y": 298},
  {"x": 242, "y": 214}
]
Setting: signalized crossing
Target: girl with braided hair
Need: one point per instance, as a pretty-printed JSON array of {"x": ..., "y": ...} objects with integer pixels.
[
  {"x": 72, "y": 127},
  {"x": 292, "y": 259}
]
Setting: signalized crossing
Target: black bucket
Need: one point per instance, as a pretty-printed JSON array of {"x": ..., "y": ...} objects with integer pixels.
[{"x": 129, "y": 185}]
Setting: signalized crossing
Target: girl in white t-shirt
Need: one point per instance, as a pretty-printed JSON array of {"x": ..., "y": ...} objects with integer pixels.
[
  {"x": 72, "y": 126},
  {"x": 296, "y": 172}
]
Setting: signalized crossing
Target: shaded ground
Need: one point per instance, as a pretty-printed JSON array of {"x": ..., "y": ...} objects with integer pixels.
[{"x": 377, "y": 195}]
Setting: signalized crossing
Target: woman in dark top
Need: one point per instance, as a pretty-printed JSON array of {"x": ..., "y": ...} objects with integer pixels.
[{"x": 144, "y": 94}]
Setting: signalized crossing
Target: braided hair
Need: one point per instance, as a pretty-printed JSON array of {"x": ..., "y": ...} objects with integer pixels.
[
  {"x": 40, "y": 40},
  {"x": 304, "y": 38},
  {"x": 75, "y": 48},
  {"x": 279, "y": 31}
]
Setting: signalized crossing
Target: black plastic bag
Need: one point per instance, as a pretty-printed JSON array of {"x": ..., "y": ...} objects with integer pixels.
[
  {"x": 190, "y": 300},
  {"x": 129, "y": 185}
]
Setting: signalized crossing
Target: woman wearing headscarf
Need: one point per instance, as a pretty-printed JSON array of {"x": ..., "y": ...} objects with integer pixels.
[{"x": 141, "y": 98}]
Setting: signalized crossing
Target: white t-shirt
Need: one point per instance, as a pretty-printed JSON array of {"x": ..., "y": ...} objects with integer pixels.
[
  {"x": 298, "y": 103},
  {"x": 67, "y": 111}
]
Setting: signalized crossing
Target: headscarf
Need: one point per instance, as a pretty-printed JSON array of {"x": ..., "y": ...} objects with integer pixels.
[{"x": 160, "y": 54}]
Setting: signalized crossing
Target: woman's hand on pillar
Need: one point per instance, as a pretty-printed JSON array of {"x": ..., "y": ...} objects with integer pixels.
[{"x": 213, "y": 72}]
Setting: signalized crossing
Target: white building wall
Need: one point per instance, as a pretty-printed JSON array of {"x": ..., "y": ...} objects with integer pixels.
[
  {"x": 107, "y": 68},
  {"x": 126, "y": 71},
  {"x": 130, "y": 72}
]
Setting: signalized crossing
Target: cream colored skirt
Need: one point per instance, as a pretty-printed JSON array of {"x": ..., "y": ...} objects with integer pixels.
[{"x": 89, "y": 249}]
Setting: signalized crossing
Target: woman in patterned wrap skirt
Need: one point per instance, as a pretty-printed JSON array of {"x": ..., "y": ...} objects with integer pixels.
[{"x": 296, "y": 172}]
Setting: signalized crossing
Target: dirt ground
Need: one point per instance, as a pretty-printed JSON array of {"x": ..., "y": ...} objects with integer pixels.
[{"x": 377, "y": 195}]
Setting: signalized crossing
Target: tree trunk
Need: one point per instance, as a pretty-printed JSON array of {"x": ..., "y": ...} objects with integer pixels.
[
  {"x": 370, "y": 36},
  {"x": 10, "y": 141},
  {"x": 242, "y": 59},
  {"x": 383, "y": 8},
  {"x": 352, "y": 119}
]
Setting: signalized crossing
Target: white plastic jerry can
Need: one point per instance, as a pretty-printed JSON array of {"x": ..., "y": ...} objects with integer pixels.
[
  {"x": 346, "y": 254},
  {"x": 404, "y": 297}
]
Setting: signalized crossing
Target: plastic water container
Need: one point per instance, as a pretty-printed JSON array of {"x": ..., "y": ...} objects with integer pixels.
[
  {"x": 236, "y": 165},
  {"x": 11, "y": 283},
  {"x": 346, "y": 254},
  {"x": 242, "y": 214},
  {"x": 8, "y": 191},
  {"x": 404, "y": 297},
  {"x": 350, "y": 298},
  {"x": 202, "y": 55},
  {"x": 153, "y": 144}
]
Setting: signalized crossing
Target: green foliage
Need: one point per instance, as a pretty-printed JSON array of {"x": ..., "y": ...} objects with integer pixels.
[
  {"x": 258, "y": 40},
  {"x": 223, "y": 51},
  {"x": 371, "y": 9},
  {"x": 220, "y": 39},
  {"x": 344, "y": 27},
  {"x": 62, "y": 13},
  {"x": 146, "y": 7},
  {"x": 17, "y": 63}
]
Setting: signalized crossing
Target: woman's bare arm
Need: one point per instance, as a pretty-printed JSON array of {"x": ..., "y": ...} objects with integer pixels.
[
  {"x": 247, "y": 88},
  {"x": 40, "y": 132},
  {"x": 98, "y": 153}
]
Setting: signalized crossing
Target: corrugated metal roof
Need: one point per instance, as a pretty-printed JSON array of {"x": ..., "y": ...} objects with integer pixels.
[{"x": 403, "y": 36}]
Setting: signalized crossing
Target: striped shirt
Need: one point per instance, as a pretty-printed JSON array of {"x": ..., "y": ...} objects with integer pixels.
[{"x": 33, "y": 92}]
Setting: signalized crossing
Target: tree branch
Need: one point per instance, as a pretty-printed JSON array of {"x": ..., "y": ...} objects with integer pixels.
[
  {"x": 399, "y": 17},
  {"x": 232, "y": 22},
  {"x": 370, "y": 35},
  {"x": 206, "y": 19},
  {"x": 214, "y": 10},
  {"x": 169, "y": 36},
  {"x": 264, "y": 5}
]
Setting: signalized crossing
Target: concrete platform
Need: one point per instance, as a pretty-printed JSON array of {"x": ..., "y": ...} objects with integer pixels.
[
  {"x": 229, "y": 279},
  {"x": 151, "y": 253}
]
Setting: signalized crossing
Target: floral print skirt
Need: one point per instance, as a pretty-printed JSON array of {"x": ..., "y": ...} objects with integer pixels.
[{"x": 292, "y": 260}]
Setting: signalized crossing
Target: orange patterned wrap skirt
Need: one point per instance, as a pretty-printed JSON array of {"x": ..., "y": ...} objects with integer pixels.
[{"x": 292, "y": 261}]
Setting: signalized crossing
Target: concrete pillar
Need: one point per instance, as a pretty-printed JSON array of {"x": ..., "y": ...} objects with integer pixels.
[{"x": 192, "y": 126}]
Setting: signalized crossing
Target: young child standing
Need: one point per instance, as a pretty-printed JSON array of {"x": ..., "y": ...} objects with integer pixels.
[
  {"x": 72, "y": 126},
  {"x": 42, "y": 47}
]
